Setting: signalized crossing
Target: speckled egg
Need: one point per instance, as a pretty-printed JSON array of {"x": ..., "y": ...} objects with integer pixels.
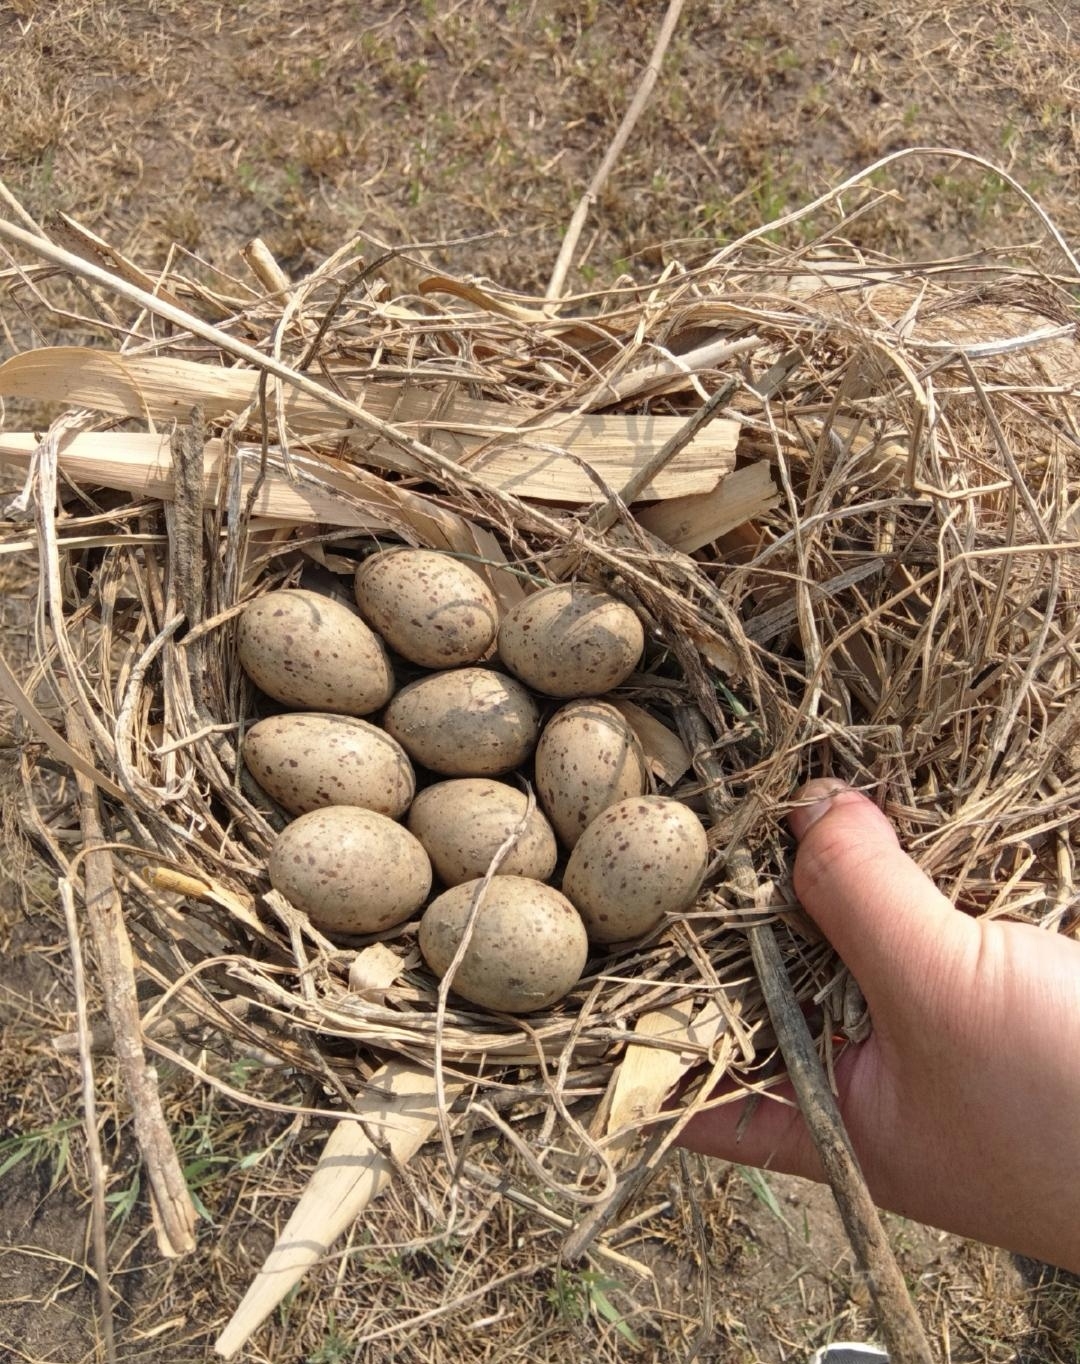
[
  {"x": 350, "y": 870},
  {"x": 307, "y": 760},
  {"x": 433, "y": 609},
  {"x": 637, "y": 861},
  {"x": 527, "y": 950},
  {"x": 463, "y": 823},
  {"x": 470, "y": 722},
  {"x": 571, "y": 640},
  {"x": 310, "y": 651},
  {"x": 588, "y": 758}
]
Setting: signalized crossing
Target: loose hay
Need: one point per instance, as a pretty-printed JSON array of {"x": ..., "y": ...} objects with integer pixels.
[{"x": 882, "y": 590}]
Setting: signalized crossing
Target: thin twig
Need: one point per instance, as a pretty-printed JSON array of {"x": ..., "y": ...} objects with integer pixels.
[
  {"x": 732, "y": 249},
  {"x": 900, "y": 1326},
  {"x": 901, "y": 1329},
  {"x": 93, "y": 1143},
  {"x": 622, "y": 136},
  {"x": 505, "y": 1189},
  {"x": 604, "y": 514}
]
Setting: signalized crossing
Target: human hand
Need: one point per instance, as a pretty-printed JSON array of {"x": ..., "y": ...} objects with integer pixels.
[{"x": 963, "y": 1105}]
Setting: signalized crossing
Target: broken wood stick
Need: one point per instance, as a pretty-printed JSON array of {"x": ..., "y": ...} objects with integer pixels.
[
  {"x": 900, "y": 1327},
  {"x": 174, "y": 1209}
]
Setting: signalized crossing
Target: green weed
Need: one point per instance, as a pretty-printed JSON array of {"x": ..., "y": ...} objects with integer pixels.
[
  {"x": 122, "y": 1202},
  {"x": 579, "y": 1295},
  {"x": 335, "y": 1348},
  {"x": 48, "y": 1145}
]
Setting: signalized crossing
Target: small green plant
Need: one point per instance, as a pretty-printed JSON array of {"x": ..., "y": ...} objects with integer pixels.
[
  {"x": 762, "y": 1190},
  {"x": 578, "y": 1295},
  {"x": 409, "y": 77},
  {"x": 816, "y": 98},
  {"x": 787, "y": 59},
  {"x": 201, "y": 1165},
  {"x": 1051, "y": 113},
  {"x": 770, "y": 197},
  {"x": 552, "y": 30},
  {"x": 121, "y": 1202},
  {"x": 737, "y": 708},
  {"x": 250, "y": 179},
  {"x": 51, "y": 1145},
  {"x": 335, "y": 1347},
  {"x": 990, "y": 191},
  {"x": 241, "y": 1069}
]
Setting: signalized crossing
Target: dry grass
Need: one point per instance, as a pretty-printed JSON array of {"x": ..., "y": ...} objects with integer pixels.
[{"x": 446, "y": 120}]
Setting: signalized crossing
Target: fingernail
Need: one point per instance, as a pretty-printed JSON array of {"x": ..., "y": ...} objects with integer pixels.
[{"x": 812, "y": 802}]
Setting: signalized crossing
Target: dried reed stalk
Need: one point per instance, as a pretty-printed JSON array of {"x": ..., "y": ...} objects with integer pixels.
[
  {"x": 644, "y": 89},
  {"x": 98, "y": 1207}
]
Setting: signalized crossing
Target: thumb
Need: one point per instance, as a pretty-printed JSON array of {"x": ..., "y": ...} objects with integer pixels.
[{"x": 895, "y": 931}]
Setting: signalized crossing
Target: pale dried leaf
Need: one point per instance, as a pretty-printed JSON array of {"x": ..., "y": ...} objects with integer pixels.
[
  {"x": 666, "y": 754},
  {"x": 399, "y": 1111},
  {"x": 373, "y": 971}
]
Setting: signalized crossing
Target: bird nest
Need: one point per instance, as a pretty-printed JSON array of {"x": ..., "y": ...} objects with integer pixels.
[{"x": 840, "y": 493}]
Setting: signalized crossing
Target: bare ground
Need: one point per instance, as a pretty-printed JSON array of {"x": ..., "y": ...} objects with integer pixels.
[{"x": 203, "y": 124}]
